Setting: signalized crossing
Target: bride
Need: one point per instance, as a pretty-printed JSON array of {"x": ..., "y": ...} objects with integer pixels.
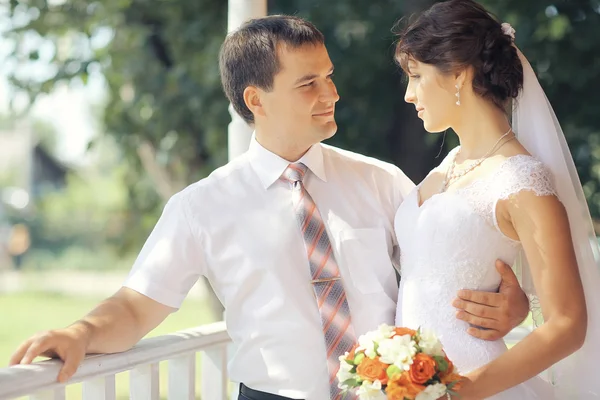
[{"x": 506, "y": 192}]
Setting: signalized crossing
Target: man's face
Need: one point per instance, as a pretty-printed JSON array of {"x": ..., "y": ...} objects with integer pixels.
[{"x": 301, "y": 106}]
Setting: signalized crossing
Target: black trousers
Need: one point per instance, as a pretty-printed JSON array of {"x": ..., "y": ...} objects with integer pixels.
[{"x": 250, "y": 394}]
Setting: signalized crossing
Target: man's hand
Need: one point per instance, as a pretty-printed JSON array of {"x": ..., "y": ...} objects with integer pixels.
[
  {"x": 115, "y": 325},
  {"x": 67, "y": 344},
  {"x": 495, "y": 313}
]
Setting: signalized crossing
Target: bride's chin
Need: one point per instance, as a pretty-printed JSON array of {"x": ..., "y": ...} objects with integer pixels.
[{"x": 431, "y": 130}]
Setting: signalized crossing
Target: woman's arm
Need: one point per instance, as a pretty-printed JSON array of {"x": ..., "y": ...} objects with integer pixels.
[{"x": 542, "y": 226}]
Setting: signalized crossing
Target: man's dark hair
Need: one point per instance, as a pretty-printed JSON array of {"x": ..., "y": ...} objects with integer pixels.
[{"x": 249, "y": 55}]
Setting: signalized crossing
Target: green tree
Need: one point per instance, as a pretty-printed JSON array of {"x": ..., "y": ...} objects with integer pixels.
[
  {"x": 165, "y": 107},
  {"x": 560, "y": 38},
  {"x": 167, "y": 113}
]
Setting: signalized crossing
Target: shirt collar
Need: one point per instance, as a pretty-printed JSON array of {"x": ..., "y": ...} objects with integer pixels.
[{"x": 269, "y": 166}]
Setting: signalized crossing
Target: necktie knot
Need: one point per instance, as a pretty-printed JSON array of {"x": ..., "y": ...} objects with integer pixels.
[{"x": 294, "y": 172}]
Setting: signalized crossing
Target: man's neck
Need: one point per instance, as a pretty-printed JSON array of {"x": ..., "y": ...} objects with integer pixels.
[{"x": 291, "y": 152}]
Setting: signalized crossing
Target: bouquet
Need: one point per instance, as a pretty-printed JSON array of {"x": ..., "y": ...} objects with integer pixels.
[{"x": 397, "y": 363}]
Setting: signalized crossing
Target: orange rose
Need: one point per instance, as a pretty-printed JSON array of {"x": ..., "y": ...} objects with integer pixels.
[
  {"x": 372, "y": 370},
  {"x": 422, "y": 368},
  {"x": 395, "y": 391},
  {"x": 404, "y": 331},
  {"x": 402, "y": 385},
  {"x": 452, "y": 377}
]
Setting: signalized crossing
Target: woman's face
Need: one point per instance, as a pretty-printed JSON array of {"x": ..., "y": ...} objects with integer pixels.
[{"x": 433, "y": 94}]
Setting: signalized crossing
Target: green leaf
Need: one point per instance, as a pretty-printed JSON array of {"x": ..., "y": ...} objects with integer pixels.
[
  {"x": 359, "y": 357},
  {"x": 442, "y": 363},
  {"x": 354, "y": 382},
  {"x": 392, "y": 371}
]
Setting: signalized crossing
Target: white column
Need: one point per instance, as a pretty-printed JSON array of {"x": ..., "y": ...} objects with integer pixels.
[{"x": 239, "y": 132}]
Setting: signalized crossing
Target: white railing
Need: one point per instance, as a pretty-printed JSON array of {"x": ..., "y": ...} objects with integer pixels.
[{"x": 97, "y": 372}]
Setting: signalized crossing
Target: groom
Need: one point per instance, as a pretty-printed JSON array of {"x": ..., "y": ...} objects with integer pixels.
[{"x": 295, "y": 237}]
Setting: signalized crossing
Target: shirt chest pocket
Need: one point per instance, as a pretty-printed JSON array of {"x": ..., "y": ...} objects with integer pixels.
[{"x": 364, "y": 253}]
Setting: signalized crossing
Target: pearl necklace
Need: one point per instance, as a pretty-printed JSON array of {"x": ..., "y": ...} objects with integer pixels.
[{"x": 451, "y": 176}]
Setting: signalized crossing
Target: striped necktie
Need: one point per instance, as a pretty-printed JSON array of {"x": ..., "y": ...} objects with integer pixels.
[{"x": 326, "y": 280}]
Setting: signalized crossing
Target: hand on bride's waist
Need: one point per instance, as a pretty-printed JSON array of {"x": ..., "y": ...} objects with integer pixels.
[{"x": 493, "y": 315}]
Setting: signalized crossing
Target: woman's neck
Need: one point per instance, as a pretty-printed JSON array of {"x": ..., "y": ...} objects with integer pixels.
[{"x": 480, "y": 133}]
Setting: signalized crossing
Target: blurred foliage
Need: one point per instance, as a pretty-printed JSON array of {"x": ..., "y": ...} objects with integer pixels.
[
  {"x": 81, "y": 225},
  {"x": 169, "y": 118},
  {"x": 560, "y": 38},
  {"x": 165, "y": 109},
  {"x": 83, "y": 214}
]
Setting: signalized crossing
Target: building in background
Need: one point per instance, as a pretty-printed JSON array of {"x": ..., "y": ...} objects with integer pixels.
[{"x": 27, "y": 172}]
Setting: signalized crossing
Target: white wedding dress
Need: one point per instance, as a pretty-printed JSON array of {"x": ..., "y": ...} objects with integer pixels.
[{"x": 451, "y": 242}]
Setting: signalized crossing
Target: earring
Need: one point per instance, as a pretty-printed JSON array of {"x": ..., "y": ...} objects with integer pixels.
[{"x": 457, "y": 95}]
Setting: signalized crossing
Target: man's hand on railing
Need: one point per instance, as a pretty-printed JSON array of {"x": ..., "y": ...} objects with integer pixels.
[
  {"x": 68, "y": 344},
  {"x": 115, "y": 325}
]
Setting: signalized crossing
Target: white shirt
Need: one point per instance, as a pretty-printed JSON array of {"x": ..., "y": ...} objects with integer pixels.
[{"x": 237, "y": 227}]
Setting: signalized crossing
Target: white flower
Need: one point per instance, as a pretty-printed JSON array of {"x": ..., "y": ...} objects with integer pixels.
[
  {"x": 430, "y": 344},
  {"x": 371, "y": 391},
  {"x": 432, "y": 392},
  {"x": 367, "y": 341},
  {"x": 386, "y": 331},
  {"x": 398, "y": 350},
  {"x": 368, "y": 345},
  {"x": 344, "y": 373},
  {"x": 508, "y": 30}
]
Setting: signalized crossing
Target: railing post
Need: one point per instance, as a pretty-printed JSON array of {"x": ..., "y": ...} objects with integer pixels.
[
  {"x": 214, "y": 370},
  {"x": 144, "y": 382},
  {"x": 102, "y": 388},
  {"x": 182, "y": 374},
  {"x": 235, "y": 386}
]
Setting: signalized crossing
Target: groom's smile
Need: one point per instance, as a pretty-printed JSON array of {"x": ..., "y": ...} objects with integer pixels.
[{"x": 328, "y": 113}]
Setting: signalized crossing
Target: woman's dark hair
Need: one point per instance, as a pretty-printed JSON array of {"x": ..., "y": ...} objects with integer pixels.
[{"x": 456, "y": 34}]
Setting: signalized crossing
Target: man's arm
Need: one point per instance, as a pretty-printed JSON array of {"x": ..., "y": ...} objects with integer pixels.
[
  {"x": 165, "y": 270},
  {"x": 496, "y": 314},
  {"x": 115, "y": 325}
]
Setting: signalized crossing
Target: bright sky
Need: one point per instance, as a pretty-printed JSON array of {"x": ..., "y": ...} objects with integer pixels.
[{"x": 67, "y": 108}]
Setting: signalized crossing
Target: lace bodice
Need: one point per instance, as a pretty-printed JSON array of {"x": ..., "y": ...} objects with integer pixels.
[
  {"x": 450, "y": 243},
  {"x": 513, "y": 175}
]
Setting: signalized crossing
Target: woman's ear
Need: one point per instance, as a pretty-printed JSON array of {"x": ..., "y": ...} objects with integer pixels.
[{"x": 463, "y": 76}]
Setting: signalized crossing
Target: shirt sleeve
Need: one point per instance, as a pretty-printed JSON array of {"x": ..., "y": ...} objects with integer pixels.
[
  {"x": 403, "y": 184},
  {"x": 171, "y": 260}
]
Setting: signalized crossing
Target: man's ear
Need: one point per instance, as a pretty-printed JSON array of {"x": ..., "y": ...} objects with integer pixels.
[{"x": 252, "y": 98}]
